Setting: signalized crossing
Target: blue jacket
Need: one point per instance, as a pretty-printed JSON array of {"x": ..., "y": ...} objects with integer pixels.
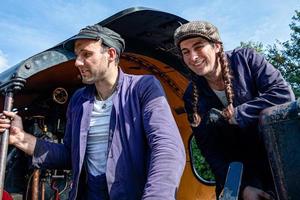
[
  {"x": 257, "y": 85},
  {"x": 146, "y": 155}
]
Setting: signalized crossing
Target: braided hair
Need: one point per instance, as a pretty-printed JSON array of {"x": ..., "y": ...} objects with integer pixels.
[{"x": 227, "y": 77}]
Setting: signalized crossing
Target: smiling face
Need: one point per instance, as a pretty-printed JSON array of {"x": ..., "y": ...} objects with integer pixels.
[
  {"x": 93, "y": 60},
  {"x": 200, "y": 56}
]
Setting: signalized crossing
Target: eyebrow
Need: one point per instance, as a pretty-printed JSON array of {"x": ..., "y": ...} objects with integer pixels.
[
  {"x": 195, "y": 44},
  {"x": 81, "y": 50}
]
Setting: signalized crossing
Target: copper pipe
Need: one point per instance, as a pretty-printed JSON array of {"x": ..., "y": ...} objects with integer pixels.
[
  {"x": 35, "y": 185},
  {"x": 43, "y": 190}
]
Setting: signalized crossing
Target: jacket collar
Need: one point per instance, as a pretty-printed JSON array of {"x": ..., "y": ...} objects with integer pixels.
[{"x": 203, "y": 86}]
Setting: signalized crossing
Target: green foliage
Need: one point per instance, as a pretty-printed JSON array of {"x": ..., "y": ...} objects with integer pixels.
[
  {"x": 285, "y": 56},
  {"x": 199, "y": 163},
  {"x": 291, "y": 53},
  {"x": 258, "y": 46}
]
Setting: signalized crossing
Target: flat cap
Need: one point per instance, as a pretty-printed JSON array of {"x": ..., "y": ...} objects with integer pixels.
[
  {"x": 196, "y": 29},
  {"x": 97, "y": 32}
]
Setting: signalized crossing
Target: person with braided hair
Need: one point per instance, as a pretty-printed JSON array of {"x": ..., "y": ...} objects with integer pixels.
[{"x": 227, "y": 92}]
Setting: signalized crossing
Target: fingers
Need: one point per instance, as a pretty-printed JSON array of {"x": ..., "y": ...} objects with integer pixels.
[
  {"x": 10, "y": 114},
  {"x": 3, "y": 127},
  {"x": 228, "y": 112},
  {"x": 266, "y": 195},
  {"x": 4, "y": 123},
  {"x": 5, "y": 120}
]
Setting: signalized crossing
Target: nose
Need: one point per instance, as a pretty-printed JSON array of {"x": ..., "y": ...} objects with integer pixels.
[
  {"x": 79, "y": 61},
  {"x": 194, "y": 56}
]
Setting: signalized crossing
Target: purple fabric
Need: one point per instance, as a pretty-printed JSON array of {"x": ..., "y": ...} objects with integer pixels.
[{"x": 146, "y": 155}]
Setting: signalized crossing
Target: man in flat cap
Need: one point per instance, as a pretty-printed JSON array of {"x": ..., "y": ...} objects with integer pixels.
[
  {"x": 121, "y": 139},
  {"x": 227, "y": 92}
]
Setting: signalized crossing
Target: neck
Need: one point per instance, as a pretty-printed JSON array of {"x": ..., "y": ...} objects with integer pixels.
[
  {"x": 215, "y": 79},
  {"x": 106, "y": 87}
]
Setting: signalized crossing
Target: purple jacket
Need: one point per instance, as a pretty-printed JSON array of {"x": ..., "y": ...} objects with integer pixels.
[{"x": 146, "y": 155}]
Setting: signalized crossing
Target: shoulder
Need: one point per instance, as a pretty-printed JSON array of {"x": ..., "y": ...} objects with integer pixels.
[
  {"x": 85, "y": 92},
  {"x": 136, "y": 78},
  {"x": 247, "y": 54},
  {"x": 248, "y": 59},
  {"x": 146, "y": 87},
  {"x": 78, "y": 92},
  {"x": 241, "y": 53},
  {"x": 141, "y": 82}
]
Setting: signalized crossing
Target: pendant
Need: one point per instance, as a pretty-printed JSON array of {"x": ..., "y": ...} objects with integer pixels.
[{"x": 103, "y": 106}]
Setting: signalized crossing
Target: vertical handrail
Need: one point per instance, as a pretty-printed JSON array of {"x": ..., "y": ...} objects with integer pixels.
[
  {"x": 8, "y": 104},
  {"x": 8, "y": 89}
]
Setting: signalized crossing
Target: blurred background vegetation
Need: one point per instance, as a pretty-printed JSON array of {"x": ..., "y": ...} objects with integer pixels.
[
  {"x": 200, "y": 165},
  {"x": 285, "y": 56}
]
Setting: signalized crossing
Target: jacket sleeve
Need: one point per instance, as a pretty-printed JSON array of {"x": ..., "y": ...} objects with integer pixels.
[
  {"x": 52, "y": 155},
  {"x": 167, "y": 153},
  {"x": 271, "y": 88}
]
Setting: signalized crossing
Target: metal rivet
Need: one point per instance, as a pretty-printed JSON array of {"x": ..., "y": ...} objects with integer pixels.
[{"x": 27, "y": 66}]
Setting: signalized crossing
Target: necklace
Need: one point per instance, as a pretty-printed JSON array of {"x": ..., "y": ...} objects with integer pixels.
[{"x": 104, "y": 100}]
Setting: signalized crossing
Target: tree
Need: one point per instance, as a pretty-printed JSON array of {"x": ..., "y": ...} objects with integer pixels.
[
  {"x": 258, "y": 46},
  {"x": 285, "y": 56},
  {"x": 287, "y": 59}
]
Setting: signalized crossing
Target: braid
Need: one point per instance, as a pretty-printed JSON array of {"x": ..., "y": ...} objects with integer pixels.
[
  {"x": 196, "y": 117},
  {"x": 227, "y": 77}
]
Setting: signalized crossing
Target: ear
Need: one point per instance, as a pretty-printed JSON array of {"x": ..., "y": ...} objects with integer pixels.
[
  {"x": 217, "y": 47},
  {"x": 112, "y": 54}
]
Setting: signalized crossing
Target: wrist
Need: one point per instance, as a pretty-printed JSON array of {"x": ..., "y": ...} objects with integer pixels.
[
  {"x": 26, "y": 142},
  {"x": 17, "y": 138}
]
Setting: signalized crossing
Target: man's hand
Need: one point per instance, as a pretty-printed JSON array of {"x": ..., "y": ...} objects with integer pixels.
[
  {"x": 17, "y": 136},
  {"x": 13, "y": 122},
  {"x": 252, "y": 193}
]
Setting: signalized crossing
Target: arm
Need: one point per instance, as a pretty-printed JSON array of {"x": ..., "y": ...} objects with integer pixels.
[
  {"x": 167, "y": 157},
  {"x": 271, "y": 88},
  {"x": 17, "y": 136},
  {"x": 52, "y": 155},
  {"x": 44, "y": 153}
]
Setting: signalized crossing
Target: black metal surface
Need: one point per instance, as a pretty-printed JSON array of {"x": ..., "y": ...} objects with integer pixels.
[
  {"x": 33, "y": 65},
  {"x": 146, "y": 31},
  {"x": 280, "y": 126}
]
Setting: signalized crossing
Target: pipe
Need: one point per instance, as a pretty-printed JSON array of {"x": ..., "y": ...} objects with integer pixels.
[
  {"x": 4, "y": 141},
  {"x": 35, "y": 185}
]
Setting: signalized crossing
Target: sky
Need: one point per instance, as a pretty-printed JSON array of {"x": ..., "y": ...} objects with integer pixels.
[{"x": 29, "y": 27}]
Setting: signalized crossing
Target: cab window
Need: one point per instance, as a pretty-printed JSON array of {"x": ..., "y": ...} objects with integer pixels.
[{"x": 200, "y": 167}]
